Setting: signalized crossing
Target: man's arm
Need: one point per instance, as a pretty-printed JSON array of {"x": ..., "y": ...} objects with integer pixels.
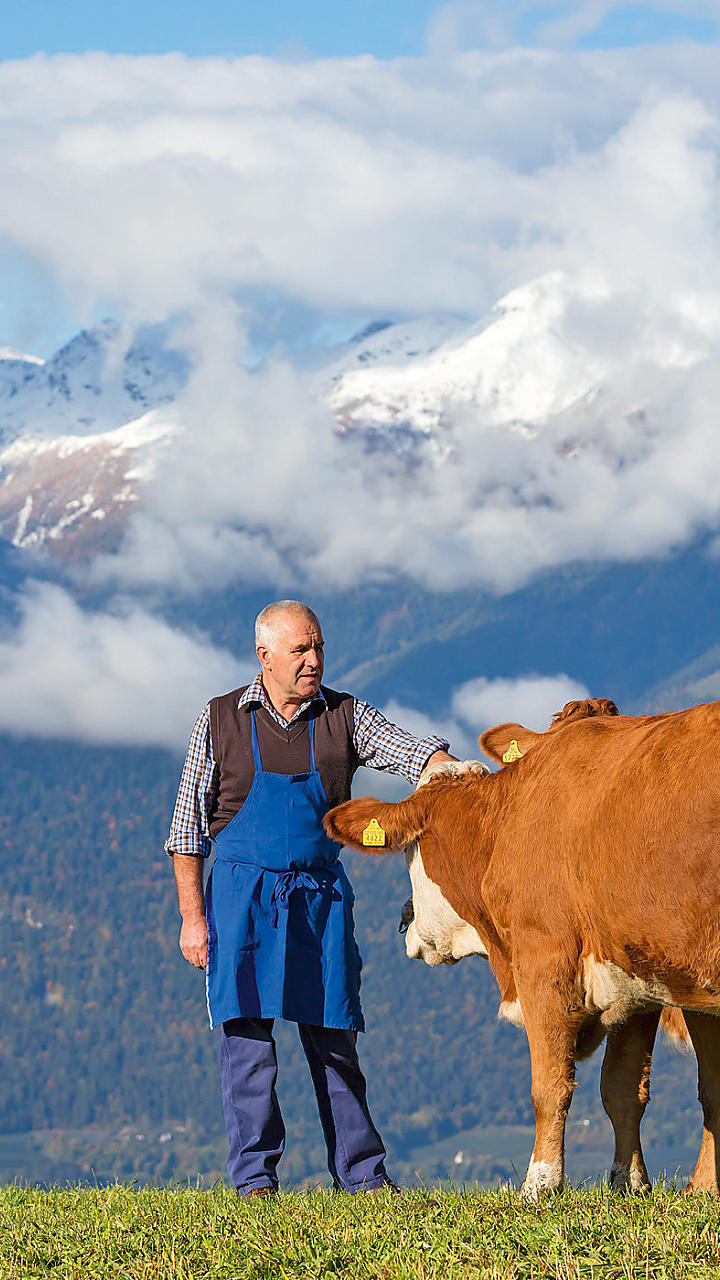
[
  {"x": 380, "y": 744},
  {"x": 191, "y": 901},
  {"x": 189, "y": 841}
]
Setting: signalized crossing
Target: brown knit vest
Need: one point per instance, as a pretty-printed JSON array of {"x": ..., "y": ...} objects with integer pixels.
[{"x": 282, "y": 750}]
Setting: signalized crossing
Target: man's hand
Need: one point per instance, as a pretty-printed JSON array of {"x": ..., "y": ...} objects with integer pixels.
[
  {"x": 193, "y": 942},
  {"x": 440, "y": 757}
]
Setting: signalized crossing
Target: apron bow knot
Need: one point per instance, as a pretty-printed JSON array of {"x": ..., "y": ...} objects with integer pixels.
[{"x": 296, "y": 878}]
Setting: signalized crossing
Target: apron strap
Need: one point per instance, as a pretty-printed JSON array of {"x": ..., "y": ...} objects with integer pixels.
[
  {"x": 311, "y": 731},
  {"x": 255, "y": 746}
]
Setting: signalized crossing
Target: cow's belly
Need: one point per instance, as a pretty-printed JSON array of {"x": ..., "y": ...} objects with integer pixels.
[
  {"x": 436, "y": 934},
  {"x": 614, "y": 994}
]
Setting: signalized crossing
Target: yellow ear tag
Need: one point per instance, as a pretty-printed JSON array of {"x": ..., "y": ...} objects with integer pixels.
[
  {"x": 374, "y": 834},
  {"x": 513, "y": 752}
]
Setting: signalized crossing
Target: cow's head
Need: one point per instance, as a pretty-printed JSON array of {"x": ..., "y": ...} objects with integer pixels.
[
  {"x": 435, "y": 932},
  {"x": 509, "y": 742}
]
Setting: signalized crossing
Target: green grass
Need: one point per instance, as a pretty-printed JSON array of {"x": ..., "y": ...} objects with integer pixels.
[{"x": 187, "y": 1234}]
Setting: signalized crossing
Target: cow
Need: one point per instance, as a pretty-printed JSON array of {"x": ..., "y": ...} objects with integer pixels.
[{"x": 588, "y": 871}]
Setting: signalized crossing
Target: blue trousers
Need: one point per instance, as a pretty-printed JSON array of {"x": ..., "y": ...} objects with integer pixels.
[{"x": 255, "y": 1128}]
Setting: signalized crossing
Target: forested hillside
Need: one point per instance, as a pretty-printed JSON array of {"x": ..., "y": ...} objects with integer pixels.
[{"x": 105, "y": 1034}]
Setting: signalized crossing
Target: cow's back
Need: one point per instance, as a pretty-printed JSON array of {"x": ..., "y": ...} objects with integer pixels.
[{"x": 610, "y": 831}]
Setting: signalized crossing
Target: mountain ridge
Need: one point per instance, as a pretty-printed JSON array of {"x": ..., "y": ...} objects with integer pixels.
[{"x": 424, "y": 392}]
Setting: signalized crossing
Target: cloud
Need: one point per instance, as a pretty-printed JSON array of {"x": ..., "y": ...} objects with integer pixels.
[
  {"x": 479, "y": 704},
  {"x": 473, "y": 24},
  {"x": 119, "y": 677},
  {"x": 156, "y": 185},
  {"x": 531, "y": 700},
  {"x": 271, "y": 494}
]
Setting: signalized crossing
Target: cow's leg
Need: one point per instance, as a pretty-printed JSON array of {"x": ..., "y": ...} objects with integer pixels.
[
  {"x": 625, "y": 1092},
  {"x": 552, "y": 1020},
  {"x": 704, "y": 1031}
]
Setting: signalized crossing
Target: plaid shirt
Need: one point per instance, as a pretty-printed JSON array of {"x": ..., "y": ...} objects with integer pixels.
[{"x": 378, "y": 743}]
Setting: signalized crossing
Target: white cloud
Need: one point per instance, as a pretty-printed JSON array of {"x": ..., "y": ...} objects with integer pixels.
[
  {"x": 472, "y": 24},
  {"x": 122, "y": 677},
  {"x": 268, "y": 493},
  {"x": 531, "y": 700},
  {"x": 161, "y": 183},
  {"x": 479, "y": 704}
]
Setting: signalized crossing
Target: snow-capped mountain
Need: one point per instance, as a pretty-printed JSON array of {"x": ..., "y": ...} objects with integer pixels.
[
  {"x": 84, "y": 431},
  {"x": 81, "y": 435},
  {"x": 100, "y": 380},
  {"x": 514, "y": 366},
  {"x": 526, "y": 362}
]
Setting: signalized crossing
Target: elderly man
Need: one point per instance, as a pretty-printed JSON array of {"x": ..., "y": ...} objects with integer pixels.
[{"x": 274, "y": 930}]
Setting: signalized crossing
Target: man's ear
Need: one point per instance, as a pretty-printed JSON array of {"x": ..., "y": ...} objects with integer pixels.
[{"x": 508, "y": 742}]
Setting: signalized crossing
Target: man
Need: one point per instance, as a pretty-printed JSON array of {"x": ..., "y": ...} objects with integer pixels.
[{"x": 275, "y": 930}]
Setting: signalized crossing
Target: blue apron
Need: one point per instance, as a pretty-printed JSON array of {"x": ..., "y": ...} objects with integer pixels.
[{"x": 281, "y": 941}]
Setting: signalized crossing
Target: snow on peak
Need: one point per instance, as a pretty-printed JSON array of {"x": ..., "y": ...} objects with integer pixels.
[
  {"x": 18, "y": 357},
  {"x": 102, "y": 378},
  {"x": 516, "y": 365}
]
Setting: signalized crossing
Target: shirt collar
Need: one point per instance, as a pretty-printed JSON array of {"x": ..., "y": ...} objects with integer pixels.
[{"x": 255, "y": 692}]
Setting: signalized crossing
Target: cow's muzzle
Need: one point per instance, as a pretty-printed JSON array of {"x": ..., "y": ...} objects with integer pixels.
[{"x": 407, "y": 915}]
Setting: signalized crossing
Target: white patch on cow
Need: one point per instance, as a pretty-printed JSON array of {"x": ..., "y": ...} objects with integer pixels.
[
  {"x": 625, "y": 1177},
  {"x": 437, "y": 934},
  {"x": 614, "y": 994},
  {"x": 542, "y": 1175},
  {"x": 510, "y": 1011}
]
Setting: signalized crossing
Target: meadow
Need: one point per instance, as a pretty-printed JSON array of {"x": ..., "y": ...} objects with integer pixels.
[{"x": 184, "y": 1233}]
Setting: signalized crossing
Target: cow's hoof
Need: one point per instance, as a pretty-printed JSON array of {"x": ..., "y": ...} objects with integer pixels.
[
  {"x": 625, "y": 1177},
  {"x": 542, "y": 1176},
  {"x": 697, "y": 1188}
]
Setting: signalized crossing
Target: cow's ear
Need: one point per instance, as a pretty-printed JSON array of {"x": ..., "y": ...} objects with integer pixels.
[{"x": 508, "y": 742}]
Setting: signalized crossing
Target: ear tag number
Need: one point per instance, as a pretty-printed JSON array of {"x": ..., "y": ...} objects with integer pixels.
[
  {"x": 513, "y": 752},
  {"x": 374, "y": 835}
]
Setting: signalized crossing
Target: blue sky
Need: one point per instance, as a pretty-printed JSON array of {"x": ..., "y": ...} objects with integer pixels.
[
  {"x": 326, "y": 28},
  {"x": 288, "y": 28}
]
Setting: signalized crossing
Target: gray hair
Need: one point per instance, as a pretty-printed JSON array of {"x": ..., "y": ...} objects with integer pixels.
[{"x": 268, "y": 619}]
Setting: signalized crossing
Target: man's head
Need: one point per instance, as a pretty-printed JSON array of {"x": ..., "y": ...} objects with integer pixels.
[{"x": 289, "y": 644}]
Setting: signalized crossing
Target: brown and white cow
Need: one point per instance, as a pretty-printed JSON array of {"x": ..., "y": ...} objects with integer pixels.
[
  {"x": 436, "y": 934},
  {"x": 589, "y": 869}
]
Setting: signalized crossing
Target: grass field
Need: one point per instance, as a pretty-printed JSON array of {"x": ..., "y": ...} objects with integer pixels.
[{"x": 188, "y": 1234}]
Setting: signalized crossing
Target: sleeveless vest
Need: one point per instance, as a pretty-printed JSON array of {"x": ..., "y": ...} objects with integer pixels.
[{"x": 282, "y": 750}]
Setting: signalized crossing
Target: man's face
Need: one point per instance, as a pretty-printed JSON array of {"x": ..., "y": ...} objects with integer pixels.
[{"x": 295, "y": 662}]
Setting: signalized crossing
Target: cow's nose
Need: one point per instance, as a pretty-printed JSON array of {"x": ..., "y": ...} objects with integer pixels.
[{"x": 407, "y": 915}]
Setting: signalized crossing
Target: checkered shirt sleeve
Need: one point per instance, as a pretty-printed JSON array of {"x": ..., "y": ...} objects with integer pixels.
[
  {"x": 189, "y": 829},
  {"x": 380, "y": 744}
]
